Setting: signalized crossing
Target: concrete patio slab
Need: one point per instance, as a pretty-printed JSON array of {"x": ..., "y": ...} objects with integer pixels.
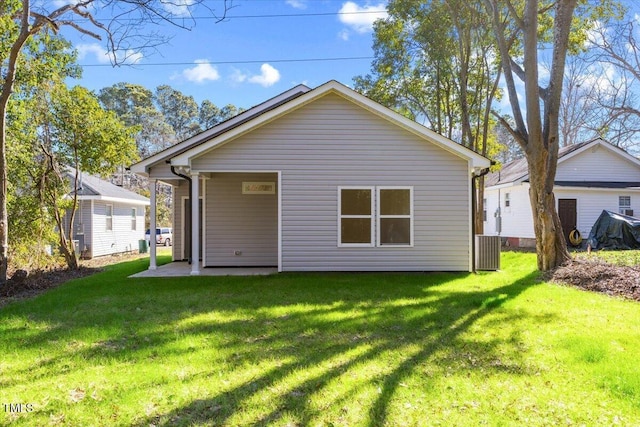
[{"x": 183, "y": 269}]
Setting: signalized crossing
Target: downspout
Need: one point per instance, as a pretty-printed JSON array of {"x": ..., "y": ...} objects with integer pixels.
[
  {"x": 474, "y": 202},
  {"x": 188, "y": 178}
]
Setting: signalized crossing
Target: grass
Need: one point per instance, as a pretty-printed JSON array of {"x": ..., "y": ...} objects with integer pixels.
[
  {"x": 616, "y": 257},
  {"x": 497, "y": 349}
]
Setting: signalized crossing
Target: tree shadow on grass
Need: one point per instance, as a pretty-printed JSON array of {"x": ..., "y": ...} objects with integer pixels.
[
  {"x": 430, "y": 323},
  {"x": 296, "y": 336}
]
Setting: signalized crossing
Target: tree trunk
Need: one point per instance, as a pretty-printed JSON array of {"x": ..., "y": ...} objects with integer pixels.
[
  {"x": 66, "y": 245},
  {"x": 551, "y": 246},
  {"x": 4, "y": 220},
  {"x": 69, "y": 253}
]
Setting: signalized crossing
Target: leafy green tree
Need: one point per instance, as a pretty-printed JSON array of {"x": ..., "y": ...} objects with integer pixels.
[
  {"x": 210, "y": 115},
  {"x": 76, "y": 135},
  {"x": 30, "y": 223},
  {"x": 23, "y": 21},
  {"x": 134, "y": 105},
  {"x": 437, "y": 60},
  {"x": 179, "y": 110}
]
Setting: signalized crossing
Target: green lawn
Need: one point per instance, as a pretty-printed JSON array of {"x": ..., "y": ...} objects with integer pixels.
[{"x": 495, "y": 349}]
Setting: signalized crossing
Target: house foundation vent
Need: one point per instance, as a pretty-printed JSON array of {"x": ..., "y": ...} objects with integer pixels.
[{"x": 487, "y": 253}]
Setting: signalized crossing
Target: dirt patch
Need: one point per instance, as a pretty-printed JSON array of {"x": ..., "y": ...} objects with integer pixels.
[
  {"x": 599, "y": 276},
  {"x": 29, "y": 284}
]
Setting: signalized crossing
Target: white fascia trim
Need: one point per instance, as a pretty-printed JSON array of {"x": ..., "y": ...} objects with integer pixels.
[
  {"x": 477, "y": 161},
  {"x": 557, "y": 188},
  {"x": 116, "y": 200},
  {"x": 505, "y": 185},
  {"x": 184, "y": 159},
  {"x": 142, "y": 167}
]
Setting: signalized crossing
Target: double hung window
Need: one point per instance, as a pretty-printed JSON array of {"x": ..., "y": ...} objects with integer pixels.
[
  {"x": 375, "y": 216},
  {"x": 109, "y": 217},
  {"x": 624, "y": 203},
  {"x": 356, "y": 216},
  {"x": 134, "y": 217}
]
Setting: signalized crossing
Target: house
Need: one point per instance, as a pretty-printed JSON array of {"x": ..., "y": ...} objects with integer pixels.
[
  {"x": 318, "y": 180},
  {"x": 592, "y": 176},
  {"x": 109, "y": 219}
]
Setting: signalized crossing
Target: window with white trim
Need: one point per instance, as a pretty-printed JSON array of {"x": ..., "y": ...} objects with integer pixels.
[
  {"x": 395, "y": 216},
  {"x": 507, "y": 200},
  {"x": 355, "y": 216},
  {"x": 624, "y": 204},
  {"x": 109, "y": 217},
  {"x": 134, "y": 219},
  {"x": 383, "y": 212}
]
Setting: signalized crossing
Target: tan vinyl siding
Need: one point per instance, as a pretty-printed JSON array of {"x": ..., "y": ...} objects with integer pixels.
[{"x": 331, "y": 142}]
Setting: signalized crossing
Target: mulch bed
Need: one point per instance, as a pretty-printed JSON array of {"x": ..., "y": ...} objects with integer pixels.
[
  {"x": 599, "y": 276},
  {"x": 29, "y": 284},
  {"x": 591, "y": 275}
]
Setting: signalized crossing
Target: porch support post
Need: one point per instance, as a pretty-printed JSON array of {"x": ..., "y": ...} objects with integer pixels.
[
  {"x": 195, "y": 223},
  {"x": 152, "y": 224}
]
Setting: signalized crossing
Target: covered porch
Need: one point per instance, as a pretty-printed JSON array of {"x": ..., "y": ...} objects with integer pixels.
[{"x": 222, "y": 221}]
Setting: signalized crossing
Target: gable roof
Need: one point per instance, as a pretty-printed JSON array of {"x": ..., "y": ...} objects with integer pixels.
[
  {"x": 218, "y": 136},
  {"x": 94, "y": 188},
  {"x": 518, "y": 170},
  {"x": 143, "y": 166}
]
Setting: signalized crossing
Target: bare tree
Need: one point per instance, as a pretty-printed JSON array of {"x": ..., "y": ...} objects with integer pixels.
[
  {"x": 615, "y": 50},
  {"x": 125, "y": 32},
  {"x": 580, "y": 114}
]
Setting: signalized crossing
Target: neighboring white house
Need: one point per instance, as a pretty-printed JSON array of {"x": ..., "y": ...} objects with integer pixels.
[
  {"x": 591, "y": 177},
  {"x": 319, "y": 179},
  {"x": 109, "y": 219}
]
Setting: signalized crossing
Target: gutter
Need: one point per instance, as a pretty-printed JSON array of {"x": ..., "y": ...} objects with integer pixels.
[{"x": 188, "y": 178}]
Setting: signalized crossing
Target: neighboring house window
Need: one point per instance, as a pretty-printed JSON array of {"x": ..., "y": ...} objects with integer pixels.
[
  {"x": 134, "y": 222},
  {"x": 355, "y": 216},
  {"x": 507, "y": 200},
  {"x": 389, "y": 210},
  {"x": 484, "y": 210},
  {"x": 109, "y": 217},
  {"x": 395, "y": 216},
  {"x": 624, "y": 203}
]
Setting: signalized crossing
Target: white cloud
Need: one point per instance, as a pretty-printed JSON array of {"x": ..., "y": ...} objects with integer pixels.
[
  {"x": 178, "y": 7},
  {"x": 61, "y": 3},
  {"x": 344, "y": 34},
  {"x": 297, "y": 4},
  {"x": 268, "y": 77},
  {"x": 101, "y": 55},
  {"x": 361, "y": 18},
  {"x": 202, "y": 72},
  {"x": 238, "y": 76},
  {"x": 93, "y": 49},
  {"x": 602, "y": 75}
]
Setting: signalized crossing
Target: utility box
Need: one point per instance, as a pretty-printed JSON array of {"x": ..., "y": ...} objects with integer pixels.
[
  {"x": 142, "y": 246},
  {"x": 488, "y": 253}
]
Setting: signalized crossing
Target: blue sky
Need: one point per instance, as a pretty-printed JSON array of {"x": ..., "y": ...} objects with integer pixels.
[{"x": 249, "y": 57}]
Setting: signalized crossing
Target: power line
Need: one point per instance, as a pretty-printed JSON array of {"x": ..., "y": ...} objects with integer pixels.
[
  {"x": 232, "y": 17},
  {"x": 252, "y": 61}
]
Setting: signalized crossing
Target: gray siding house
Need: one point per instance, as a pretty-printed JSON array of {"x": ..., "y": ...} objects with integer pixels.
[
  {"x": 109, "y": 219},
  {"x": 319, "y": 180}
]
